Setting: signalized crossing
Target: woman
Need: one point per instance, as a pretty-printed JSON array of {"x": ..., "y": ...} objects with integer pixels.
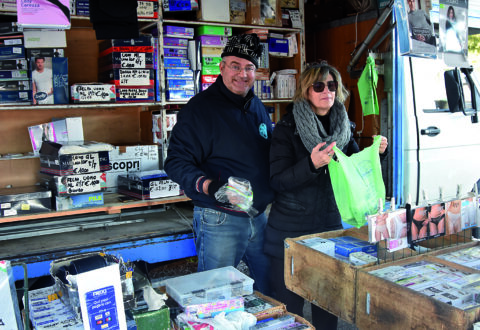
[
  {"x": 454, "y": 217},
  {"x": 420, "y": 223},
  {"x": 300, "y": 152},
  {"x": 452, "y": 38},
  {"x": 436, "y": 216}
]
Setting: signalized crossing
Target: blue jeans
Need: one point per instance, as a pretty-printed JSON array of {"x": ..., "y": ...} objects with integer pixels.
[{"x": 223, "y": 240}]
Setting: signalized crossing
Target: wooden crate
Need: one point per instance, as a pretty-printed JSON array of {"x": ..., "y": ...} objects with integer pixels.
[
  {"x": 324, "y": 280},
  {"x": 382, "y": 304}
]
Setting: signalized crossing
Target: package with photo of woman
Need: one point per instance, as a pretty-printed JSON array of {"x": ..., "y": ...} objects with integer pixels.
[
  {"x": 469, "y": 212},
  {"x": 426, "y": 221},
  {"x": 389, "y": 225}
]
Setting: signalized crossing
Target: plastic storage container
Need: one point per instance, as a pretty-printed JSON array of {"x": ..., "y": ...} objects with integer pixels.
[{"x": 210, "y": 285}]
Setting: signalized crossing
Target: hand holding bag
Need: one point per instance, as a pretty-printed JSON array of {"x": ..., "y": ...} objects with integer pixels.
[{"x": 357, "y": 183}]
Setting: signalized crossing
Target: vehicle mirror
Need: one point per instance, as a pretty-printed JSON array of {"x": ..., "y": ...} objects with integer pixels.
[{"x": 453, "y": 87}]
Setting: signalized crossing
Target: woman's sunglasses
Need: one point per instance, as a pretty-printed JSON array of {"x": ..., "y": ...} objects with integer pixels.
[{"x": 319, "y": 86}]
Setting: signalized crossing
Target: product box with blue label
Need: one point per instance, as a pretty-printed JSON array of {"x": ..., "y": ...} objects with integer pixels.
[
  {"x": 180, "y": 84},
  {"x": 13, "y": 74},
  {"x": 345, "y": 245},
  {"x": 175, "y": 62},
  {"x": 178, "y": 31},
  {"x": 179, "y": 95},
  {"x": 179, "y": 74},
  {"x": 73, "y": 158},
  {"x": 63, "y": 203},
  {"x": 12, "y": 52},
  {"x": 175, "y": 52},
  {"x": 147, "y": 185},
  {"x": 15, "y": 96},
  {"x": 278, "y": 46},
  {"x": 15, "y": 85},
  {"x": 180, "y": 5},
  {"x": 175, "y": 42}
]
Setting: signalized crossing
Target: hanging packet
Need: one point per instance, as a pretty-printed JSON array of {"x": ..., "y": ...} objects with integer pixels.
[{"x": 357, "y": 183}]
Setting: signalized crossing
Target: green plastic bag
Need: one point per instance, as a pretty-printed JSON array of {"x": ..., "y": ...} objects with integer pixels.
[
  {"x": 367, "y": 88},
  {"x": 357, "y": 183}
]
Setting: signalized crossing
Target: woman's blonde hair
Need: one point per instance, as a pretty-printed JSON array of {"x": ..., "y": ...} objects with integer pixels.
[{"x": 319, "y": 72}]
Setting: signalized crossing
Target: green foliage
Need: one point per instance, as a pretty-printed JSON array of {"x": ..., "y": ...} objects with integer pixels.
[{"x": 474, "y": 43}]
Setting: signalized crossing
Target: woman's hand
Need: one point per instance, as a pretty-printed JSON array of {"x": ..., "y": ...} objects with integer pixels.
[
  {"x": 383, "y": 145},
  {"x": 322, "y": 157}
]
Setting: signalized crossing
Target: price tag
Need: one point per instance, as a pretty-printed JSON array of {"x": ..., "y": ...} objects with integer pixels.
[
  {"x": 163, "y": 188},
  {"x": 132, "y": 93},
  {"x": 134, "y": 77},
  {"x": 132, "y": 60},
  {"x": 85, "y": 163}
]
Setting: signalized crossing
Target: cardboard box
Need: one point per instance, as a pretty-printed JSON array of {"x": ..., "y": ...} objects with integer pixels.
[
  {"x": 213, "y": 30},
  {"x": 63, "y": 203},
  {"x": 92, "y": 92},
  {"x": 178, "y": 31},
  {"x": 147, "y": 185},
  {"x": 75, "y": 184},
  {"x": 12, "y": 97},
  {"x": 131, "y": 159},
  {"x": 24, "y": 200},
  {"x": 326, "y": 281},
  {"x": 126, "y": 60},
  {"x": 74, "y": 158},
  {"x": 50, "y": 85},
  {"x": 142, "y": 44},
  {"x": 214, "y": 11},
  {"x": 45, "y": 38},
  {"x": 63, "y": 130},
  {"x": 16, "y": 85},
  {"x": 13, "y": 64}
]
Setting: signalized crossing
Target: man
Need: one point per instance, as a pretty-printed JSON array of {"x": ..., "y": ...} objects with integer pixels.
[
  {"x": 420, "y": 25},
  {"x": 42, "y": 84},
  {"x": 225, "y": 132}
]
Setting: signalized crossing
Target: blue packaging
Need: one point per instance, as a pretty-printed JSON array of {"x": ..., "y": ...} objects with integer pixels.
[
  {"x": 179, "y": 95},
  {"x": 175, "y": 52},
  {"x": 178, "y": 31},
  {"x": 344, "y": 248},
  {"x": 14, "y": 74},
  {"x": 180, "y": 84},
  {"x": 179, "y": 73},
  {"x": 78, "y": 201},
  {"x": 15, "y": 96},
  {"x": 175, "y": 42},
  {"x": 278, "y": 47},
  {"x": 12, "y": 52},
  {"x": 174, "y": 62}
]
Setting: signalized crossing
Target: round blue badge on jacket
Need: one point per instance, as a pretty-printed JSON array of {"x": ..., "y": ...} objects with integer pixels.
[{"x": 262, "y": 129}]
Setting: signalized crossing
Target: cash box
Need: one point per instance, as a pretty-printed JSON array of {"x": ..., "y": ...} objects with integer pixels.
[
  {"x": 24, "y": 200},
  {"x": 147, "y": 185},
  {"x": 69, "y": 158}
]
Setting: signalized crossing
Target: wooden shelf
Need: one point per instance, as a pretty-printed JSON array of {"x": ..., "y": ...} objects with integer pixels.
[{"x": 112, "y": 206}]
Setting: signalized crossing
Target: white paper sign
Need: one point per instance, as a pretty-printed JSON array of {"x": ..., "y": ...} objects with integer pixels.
[
  {"x": 85, "y": 163},
  {"x": 132, "y": 60},
  {"x": 101, "y": 300},
  {"x": 163, "y": 188},
  {"x": 133, "y": 93},
  {"x": 134, "y": 77}
]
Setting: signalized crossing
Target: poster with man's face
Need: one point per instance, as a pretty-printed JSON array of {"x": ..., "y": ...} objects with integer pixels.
[{"x": 415, "y": 29}]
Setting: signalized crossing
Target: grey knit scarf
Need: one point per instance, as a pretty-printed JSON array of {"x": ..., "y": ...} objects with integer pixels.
[{"x": 311, "y": 130}]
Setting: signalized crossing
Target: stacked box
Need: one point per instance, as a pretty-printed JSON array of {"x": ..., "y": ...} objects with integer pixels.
[
  {"x": 75, "y": 172},
  {"x": 211, "y": 48},
  {"x": 129, "y": 65},
  {"x": 147, "y": 185},
  {"x": 15, "y": 82},
  {"x": 180, "y": 5},
  {"x": 24, "y": 200},
  {"x": 50, "y": 80},
  {"x": 82, "y": 7},
  {"x": 179, "y": 83}
]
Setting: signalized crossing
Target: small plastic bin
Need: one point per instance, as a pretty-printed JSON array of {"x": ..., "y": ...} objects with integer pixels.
[{"x": 207, "y": 286}]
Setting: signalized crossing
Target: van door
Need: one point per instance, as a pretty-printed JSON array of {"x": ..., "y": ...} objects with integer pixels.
[{"x": 441, "y": 148}]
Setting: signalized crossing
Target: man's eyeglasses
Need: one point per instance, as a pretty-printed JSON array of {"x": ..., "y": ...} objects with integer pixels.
[
  {"x": 237, "y": 68},
  {"x": 319, "y": 86}
]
